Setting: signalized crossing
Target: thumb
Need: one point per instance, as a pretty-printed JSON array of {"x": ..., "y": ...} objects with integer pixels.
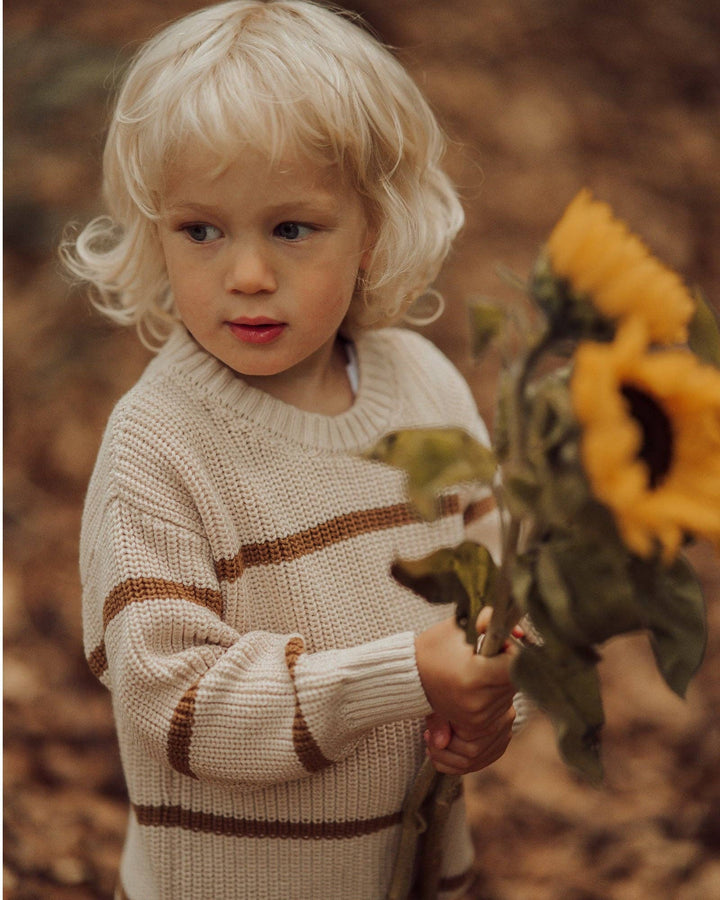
[
  {"x": 483, "y": 619},
  {"x": 438, "y": 733}
]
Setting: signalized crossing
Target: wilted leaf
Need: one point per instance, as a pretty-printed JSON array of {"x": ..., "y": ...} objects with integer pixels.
[
  {"x": 675, "y": 614},
  {"x": 476, "y": 570},
  {"x": 486, "y": 322},
  {"x": 566, "y": 685},
  {"x": 704, "y": 334},
  {"x": 462, "y": 575},
  {"x": 432, "y": 577},
  {"x": 434, "y": 459}
]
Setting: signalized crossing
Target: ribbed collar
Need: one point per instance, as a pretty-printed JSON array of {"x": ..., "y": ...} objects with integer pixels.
[{"x": 360, "y": 426}]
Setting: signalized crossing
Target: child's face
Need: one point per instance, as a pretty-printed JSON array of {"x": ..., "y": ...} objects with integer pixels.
[{"x": 263, "y": 261}]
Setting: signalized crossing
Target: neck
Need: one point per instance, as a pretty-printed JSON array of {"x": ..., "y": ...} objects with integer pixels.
[{"x": 324, "y": 390}]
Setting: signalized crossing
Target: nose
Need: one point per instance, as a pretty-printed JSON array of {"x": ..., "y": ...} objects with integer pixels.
[{"x": 250, "y": 270}]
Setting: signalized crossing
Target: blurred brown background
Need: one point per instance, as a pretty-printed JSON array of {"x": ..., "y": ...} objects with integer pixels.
[{"x": 540, "y": 98}]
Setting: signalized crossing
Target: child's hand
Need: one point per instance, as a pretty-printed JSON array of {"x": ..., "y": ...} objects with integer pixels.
[
  {"x": 452, "y": 755},
  {"x": 472, "y": 694}
]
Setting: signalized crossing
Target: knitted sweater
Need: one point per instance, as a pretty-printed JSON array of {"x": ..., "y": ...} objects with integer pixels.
[{"x": 235, "y": 558}]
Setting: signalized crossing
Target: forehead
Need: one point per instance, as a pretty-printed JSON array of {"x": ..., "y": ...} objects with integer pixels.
[{"x": 253, "y": 176}]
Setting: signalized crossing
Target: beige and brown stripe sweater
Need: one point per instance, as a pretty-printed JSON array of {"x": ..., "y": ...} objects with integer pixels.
[{"x": 235, "y": 561}]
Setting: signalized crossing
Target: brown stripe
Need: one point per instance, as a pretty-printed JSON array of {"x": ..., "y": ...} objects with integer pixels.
[
  {"x": 455, "y": 882},
  {"x": 120, "y": 892},
  {"x": 478, "y": 509},
  {"x": 335, "y": 530},
  {"x": 228, "y": 826},
  {"x": 308, "y": 752},
  {"x": 180, "y": 734},
  {"x": 98, "y": 660},
  {"x": 293, "y": 649},
  {"x": 137, "y": 590}
]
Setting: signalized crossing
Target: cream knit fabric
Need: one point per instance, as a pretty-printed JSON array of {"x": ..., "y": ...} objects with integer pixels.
[{"x": 235, "y": 561}]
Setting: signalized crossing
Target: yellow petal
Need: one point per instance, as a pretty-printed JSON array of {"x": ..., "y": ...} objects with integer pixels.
[
  {"x": 603, "y": 261},
  {"x": 687, "y": 497}
]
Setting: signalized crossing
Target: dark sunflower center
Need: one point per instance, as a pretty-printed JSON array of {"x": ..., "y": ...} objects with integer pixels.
[{"x": 656, "y": 450}]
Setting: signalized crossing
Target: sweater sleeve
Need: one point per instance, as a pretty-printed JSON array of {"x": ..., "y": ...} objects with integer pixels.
[
  {"x": 447, "y": 398},
  {"x": 216, "y": 704}
]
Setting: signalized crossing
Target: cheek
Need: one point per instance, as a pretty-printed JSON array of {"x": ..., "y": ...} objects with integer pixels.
[
  {"x": 175, "y": 255},
  {"x": 184, "y": 280},
  {"x": 189, "y": 293},
  {"x": 340, "y": 276},
  {"x": 338, "y": 293}
]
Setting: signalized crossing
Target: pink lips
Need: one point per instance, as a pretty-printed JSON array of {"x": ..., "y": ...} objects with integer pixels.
[{"x": 256, "y": 331}]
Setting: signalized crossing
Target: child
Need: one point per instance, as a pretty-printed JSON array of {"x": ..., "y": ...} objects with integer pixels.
[{"x": 274, "y": 193}]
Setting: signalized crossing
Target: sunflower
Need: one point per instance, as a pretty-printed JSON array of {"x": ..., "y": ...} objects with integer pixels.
[
  {"x": 603, "y": 261},
  {"x": 650, "y": 443}
]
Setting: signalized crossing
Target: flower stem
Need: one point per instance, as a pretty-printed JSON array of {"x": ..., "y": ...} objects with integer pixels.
[
  {"x": 525, "y": 369},
  {"x": 414, "y": 824},
  {"x": 430, "y": 799},
  {"x": 449, "y": 788},
  {"x": 506, "y": 612}
]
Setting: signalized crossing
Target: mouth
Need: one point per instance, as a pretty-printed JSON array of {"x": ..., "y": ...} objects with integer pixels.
[{"x": 256, "y": 331}]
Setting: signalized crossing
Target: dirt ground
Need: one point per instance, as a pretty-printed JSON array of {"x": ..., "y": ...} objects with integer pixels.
[{"x": 540, "y": 98}]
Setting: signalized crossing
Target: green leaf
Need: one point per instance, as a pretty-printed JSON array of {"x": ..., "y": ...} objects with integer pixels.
[
  {"x": 503, "y": 415},
  {"x": 585, "y": 585},
  {"x": 704, "y": 333},
  {"x": 552, "y": 485},
  {"x": 556, "y": 597},
  {"x": 566, "y": 685},
  {"x": 435, "y": 459},
  {"x": 486, "y": 322},
  {"x": 522, "y": 489},
  {"x": 675, "y": 614},
  {"x": 569, "y": 315},
  {"x": 462, "y": 575},
  {"x": 523, "y": 581}
]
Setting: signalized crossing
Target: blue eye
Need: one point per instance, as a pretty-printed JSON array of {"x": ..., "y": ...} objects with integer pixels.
[
  {"x": 292, "y": 231},
  {"x": 202, "y": 234}
]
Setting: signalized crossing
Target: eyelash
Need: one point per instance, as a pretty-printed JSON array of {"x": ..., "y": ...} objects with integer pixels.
[
  {"x": 298, "y": 226},
  {"x": 198, "y": 225}
]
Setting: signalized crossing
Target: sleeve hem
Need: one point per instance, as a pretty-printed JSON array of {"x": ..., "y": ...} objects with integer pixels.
[{"x": 380, "y": 681}]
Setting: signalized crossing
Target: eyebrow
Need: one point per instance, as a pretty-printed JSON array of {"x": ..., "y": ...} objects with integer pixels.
[
  {"x": 182, "y": 206},
  {"x": 324, "y": 204}
]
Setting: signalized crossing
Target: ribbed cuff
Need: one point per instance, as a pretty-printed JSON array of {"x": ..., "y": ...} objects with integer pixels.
[{"x": 379, "y": 681}]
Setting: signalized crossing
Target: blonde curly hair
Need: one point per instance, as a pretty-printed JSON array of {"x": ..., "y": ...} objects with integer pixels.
[{"x": 277, "y": 75}]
